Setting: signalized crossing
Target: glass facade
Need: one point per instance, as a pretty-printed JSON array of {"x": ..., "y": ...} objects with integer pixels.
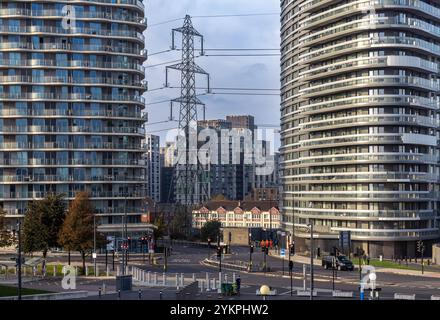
[
  {"x": 71, "y": 85},
  {"x": 360, "y": 122}
]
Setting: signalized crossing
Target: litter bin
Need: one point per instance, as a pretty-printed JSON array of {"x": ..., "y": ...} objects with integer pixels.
[
  {"x": 124, "y": 283},
  {"x": 227, "y": 289}
]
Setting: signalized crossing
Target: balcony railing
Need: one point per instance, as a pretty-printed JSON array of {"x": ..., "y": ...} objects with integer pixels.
[
  {"x": 114, "y": 16},
  {"x": 71, "y": 97},
  {"x": 71, "y": 195},
  {"x": 76, "y": 146},
  {"x": 69, "y": 178},
  {"x": 70, "y": 80},
  {"x": 71, "y": 162},
  {"x": 73, "y": 31},
  {"x": 72, "y": 129}
]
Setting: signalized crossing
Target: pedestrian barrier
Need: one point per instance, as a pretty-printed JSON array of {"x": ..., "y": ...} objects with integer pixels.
[
  {"x": 399, "y": 296},
  {"x": 342, "y": 294},
  {"x": 300, "y": 293},
  {"x": 188, "y": 292},
  {"x": 271, "y": 292}
]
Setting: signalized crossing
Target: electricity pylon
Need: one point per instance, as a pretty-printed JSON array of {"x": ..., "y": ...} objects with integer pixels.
[{"x": 191, "y": 179}]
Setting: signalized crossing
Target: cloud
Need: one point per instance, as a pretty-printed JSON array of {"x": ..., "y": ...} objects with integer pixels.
[{"x": 230, "y": 72}]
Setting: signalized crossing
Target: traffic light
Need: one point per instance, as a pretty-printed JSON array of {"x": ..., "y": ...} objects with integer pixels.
[
  {"x": 420, "y": 246},
  {"x": 290, "y": 265},
  {"x": 209, "y": 242},
  {"x": 251, "y": 248},
  {"x": 219, "y": 252},
  {"x": 292, "y": 248}
]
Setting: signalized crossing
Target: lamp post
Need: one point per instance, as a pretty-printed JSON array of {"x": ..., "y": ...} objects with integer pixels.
[
  {"x": 19, "y": 259},
  {"x": 312, "y": 249},
  {"x": 94, "y": 244},
  {"x": 251, "y": 250}
]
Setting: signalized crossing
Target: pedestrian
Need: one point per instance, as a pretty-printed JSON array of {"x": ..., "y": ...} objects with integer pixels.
[
  {"x": 238, "y": 283},
  {"x": 368, "y": 260},
  {"x": 43, "y": 268}
]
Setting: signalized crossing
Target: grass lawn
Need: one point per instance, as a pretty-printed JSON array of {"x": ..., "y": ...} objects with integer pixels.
[
  {"x": 396, "y": 265},
  {"x": 7, "y": 291},
  {"x": 390, "y": 264}
]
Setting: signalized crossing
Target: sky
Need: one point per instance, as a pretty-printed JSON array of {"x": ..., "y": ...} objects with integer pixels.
[{"x": 231, "y": 72}]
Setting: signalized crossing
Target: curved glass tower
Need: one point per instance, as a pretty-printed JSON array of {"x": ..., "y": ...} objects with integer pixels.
[
  {"x": 360, "y": 123},
  {"x": 71, "y": 85}
]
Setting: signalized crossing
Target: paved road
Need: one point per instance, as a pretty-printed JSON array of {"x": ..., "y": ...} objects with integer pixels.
[{"x": 186, "y": 259}]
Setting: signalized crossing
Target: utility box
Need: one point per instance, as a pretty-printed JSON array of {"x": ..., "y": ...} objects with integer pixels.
[{"x": 124, "y": 283}]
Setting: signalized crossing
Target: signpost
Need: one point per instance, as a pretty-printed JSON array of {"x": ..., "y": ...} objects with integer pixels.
[
  {"x": 345, "y": 241},
  {"x": 283, "y": 255}
]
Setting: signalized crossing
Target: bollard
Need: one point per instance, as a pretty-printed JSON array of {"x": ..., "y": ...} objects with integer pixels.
[
  {"x": 304, "y": 277},
  {"x": 99, "y": 293},
  {"x": 233, "y": 277},
  {"x": 201, "y": 286},
  {"x": 97, "y": 271},
  {"x": 107, "y": 271},
  {"x": 182, "y": 280},
  {"x": 104, "y": 288},
  {"x": 164, "y": 279},
  {"x": 177, "y": 281},
  {"x": 160, "y": 295},
  {"x": 155, "y": 278},
  {"x": 149, "y": 277},
  {"x": 87, "y": 270},
  {"x": 194, "y": 277},
  {"x": 117, "y": 270},
  {"x": 207, "y": 281},
  {"x": 219, "y": 280},
  {"x": 140, "y": 294},
  {"x": 119, "y": 294}
]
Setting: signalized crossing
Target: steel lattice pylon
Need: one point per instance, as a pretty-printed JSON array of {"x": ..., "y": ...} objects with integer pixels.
[{"x": 190, "y": 177}]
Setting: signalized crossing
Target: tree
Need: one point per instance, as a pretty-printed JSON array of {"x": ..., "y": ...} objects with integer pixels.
[
  {"x": 77, "y": 232},
  {"x": 159, "y": 231},
  {"x": 210, "y": 230},
  {"x": 218, "y": 197},
  {"x": 42, "y": 223},
  {"x": 5, "y": 234}
]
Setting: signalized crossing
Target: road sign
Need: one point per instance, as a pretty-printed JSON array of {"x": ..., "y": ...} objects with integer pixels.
[
  {"x": 110, "y": 243},
  {"x": 282, "y": 253},
  {"x": 345, "y": 239},
  {"x": 94, "y": 255}
]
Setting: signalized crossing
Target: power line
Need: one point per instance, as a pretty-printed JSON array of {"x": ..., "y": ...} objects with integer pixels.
[
  {"x": 229, "y": 88},
  {"x": 174, "y": 128},
  {"x": 243, "y": 55},
  {"x": 161, "y": 64},
  {"x": 245, "y": 94},
  {"x": 160, "y": 52},
  {"x": 218, "y": 16},
  {"x": 159, "y": 122},
  {"x": 238, "y": 15},
  {"x": 164, "y": 22}
]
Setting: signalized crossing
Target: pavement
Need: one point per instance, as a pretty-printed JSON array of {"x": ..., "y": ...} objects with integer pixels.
[
  {"x": 317, "y": 262},
  {"x": 188, "y": 259}
]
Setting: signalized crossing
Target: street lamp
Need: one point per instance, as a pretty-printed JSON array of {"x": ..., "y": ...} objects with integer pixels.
[
  {"x": 19, "y": 259},
  {"x": 310, "y": 225},
  {"x": 94, "y": 243},
  {"x": 251, "y": 250},
  {"x": 264, "y": 291}
]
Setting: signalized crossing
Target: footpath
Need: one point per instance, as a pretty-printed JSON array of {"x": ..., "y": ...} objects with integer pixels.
[{"x": 317, "y": 262}]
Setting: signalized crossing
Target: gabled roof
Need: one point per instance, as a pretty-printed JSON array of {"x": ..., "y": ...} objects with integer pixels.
[{"x": 229, "y": 205}]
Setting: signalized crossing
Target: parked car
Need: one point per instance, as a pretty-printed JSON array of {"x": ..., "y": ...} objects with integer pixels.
[{"x": 341, "y": 262}]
